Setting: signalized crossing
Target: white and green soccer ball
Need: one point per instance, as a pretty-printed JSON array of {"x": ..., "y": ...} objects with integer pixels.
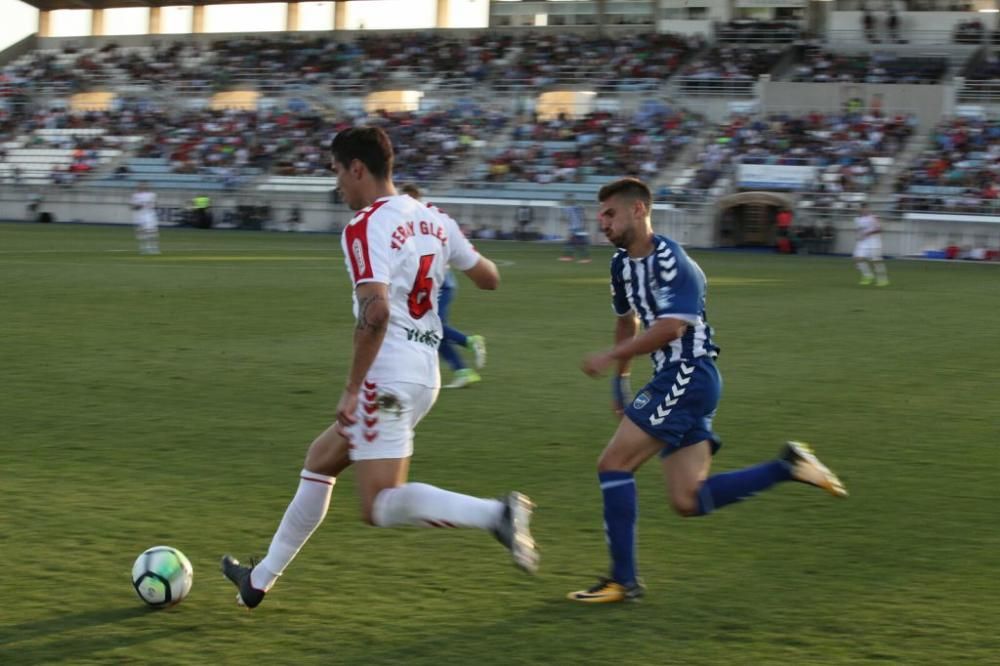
[{"x": 162, "y": 576}]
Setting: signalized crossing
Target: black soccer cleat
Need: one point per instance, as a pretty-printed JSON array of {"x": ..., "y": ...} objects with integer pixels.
[
  {"x": 514, "y": 531},
  {"x": 239, "y": 574}
]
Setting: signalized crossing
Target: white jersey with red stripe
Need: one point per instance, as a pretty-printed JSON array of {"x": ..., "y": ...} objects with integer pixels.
[{"x": 408, "y": 246}]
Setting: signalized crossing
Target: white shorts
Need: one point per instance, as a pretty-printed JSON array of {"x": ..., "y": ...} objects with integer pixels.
[
  {"x": 387, "y": 415},
  {"x": 146, "y": 222},
  {"x": 868, "y": 248}
]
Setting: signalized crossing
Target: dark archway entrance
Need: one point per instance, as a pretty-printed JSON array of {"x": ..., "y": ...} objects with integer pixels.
[{"x": 747, "y": 219}]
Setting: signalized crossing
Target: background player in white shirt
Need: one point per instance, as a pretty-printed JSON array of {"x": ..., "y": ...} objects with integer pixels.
[
  {"x": 868, "y": 249},
  {"x": 144, "y": 219},
  {"x": 397, "y": 252}
]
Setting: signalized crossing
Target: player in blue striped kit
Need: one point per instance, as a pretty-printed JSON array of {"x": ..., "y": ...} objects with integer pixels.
[{"x": 655, "y": 282}]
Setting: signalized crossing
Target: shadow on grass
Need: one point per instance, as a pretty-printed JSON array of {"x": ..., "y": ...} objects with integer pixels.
[{"x": 43, "y": 641}]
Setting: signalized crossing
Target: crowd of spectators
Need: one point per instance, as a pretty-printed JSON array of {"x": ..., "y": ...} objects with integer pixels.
[
  {"x": 289, "y": 61},
  {"x": 76, "y": 69},
  {"x": 231, "y": 143},
  {"x": 627, "y": 62},
  {"x": 723, "y": 66},
  {"x": 841, "y": 143},
  {"x": 429, "y": 146},
  {"x": 818, "y": 65},
  {"x": 566, "y": 149},
  {"x": 959, "y": 171}
]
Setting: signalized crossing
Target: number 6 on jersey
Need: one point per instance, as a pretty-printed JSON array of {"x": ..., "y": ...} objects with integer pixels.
[{"x": 419, "y": 300}]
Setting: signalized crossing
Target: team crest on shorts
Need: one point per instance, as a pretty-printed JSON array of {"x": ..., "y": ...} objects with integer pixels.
[{"x": 641, "y": 400}]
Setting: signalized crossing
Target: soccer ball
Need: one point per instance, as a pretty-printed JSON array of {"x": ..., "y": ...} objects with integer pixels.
[{"x": 162, "y": 576}]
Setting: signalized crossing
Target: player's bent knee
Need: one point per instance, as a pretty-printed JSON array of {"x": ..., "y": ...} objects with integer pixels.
[
  {"x": 612, "y": 463},
  {"x": 685, "y": 504}
]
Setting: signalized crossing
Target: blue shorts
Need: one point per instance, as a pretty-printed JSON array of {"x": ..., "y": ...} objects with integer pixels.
[{"x": 678, "y": 405}]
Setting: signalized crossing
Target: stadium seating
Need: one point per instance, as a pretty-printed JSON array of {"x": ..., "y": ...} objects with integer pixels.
[
  {"x": 842, "y": 156},
  {"x": 959, "y": 171},
  {"x": 494, "y": 145},
  {"x": 822, "y": 66},
  {"x": 567, "y": 151},
  {"x": 59, "y": 155},
  {"x": 728, "y": 70},
  {"x": 284, "y": 62}
]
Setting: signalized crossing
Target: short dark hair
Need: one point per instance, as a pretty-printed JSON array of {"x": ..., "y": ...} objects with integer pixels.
[
  {"x": 370, "y": 145},
  {"x": 627, "y": 187},
  {"x": 412, "y": 190}
]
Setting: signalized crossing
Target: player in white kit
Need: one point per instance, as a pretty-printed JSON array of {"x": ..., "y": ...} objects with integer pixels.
[
  {"x": 397, "y": 252},
  {"x": 144, "y": 219},
  {"x": 868, "y": 249}
]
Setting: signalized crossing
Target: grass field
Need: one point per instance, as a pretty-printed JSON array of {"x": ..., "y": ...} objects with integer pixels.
[{"x": 170, "y": 400}]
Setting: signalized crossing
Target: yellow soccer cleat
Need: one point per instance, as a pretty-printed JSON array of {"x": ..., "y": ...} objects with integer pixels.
[
  {"x": 806, "y": 468},
  {"x": 608, "y": 591}
]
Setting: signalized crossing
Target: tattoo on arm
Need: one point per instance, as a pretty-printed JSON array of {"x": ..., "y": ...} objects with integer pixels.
[{"x": 365, "y": 321}]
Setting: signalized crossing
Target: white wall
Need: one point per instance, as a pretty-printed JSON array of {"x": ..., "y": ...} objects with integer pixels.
[{"x": 19, "y": 21}]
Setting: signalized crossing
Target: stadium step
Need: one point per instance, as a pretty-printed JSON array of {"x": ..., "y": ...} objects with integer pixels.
[{"x": 885, "y": 186}]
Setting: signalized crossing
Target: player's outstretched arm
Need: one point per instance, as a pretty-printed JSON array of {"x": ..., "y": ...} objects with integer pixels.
[
  {"x": 655, "y": 337},
  {"x": 484, "y": 274}
]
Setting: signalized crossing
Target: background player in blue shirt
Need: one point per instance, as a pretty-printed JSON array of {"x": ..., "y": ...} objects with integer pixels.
[
  {"x": 577, "y": 240},
  {"x": 463, "y": 375},
  {"x": 452, "y": 336},
  {"x": 654, "y": 281}
]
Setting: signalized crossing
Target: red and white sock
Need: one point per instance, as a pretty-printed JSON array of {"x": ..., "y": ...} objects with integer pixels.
[
  {"x": 302, "y": 517},
  {"x": 427, "y": 506}
]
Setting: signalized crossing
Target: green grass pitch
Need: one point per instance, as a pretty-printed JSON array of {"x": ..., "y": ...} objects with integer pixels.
[{"x": 170, "y": 400}]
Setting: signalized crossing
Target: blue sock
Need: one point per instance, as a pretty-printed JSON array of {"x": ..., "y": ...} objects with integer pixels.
[
  {"x": 448, "y": 353},
  {"x": 456, "y": 336},
  {"x": 722, "y": 489},
  {"x": 621, "y": 508}
]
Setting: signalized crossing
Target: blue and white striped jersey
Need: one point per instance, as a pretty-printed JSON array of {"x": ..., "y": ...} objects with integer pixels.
[{"x": 667, "y": 283}]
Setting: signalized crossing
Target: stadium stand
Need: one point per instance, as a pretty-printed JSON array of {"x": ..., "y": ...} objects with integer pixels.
[
  {"x": 728, "y": 70},
  {"x": 833, "y": 157},
  {"x": 568, "y": 150},
  {"x": 820, "y": 65},
  {"x": 278, "y": 63},
  {"x": 828, "y": 120},
  {"x": 959, "y": 171},
  {"x": 744, "y": 31}
]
